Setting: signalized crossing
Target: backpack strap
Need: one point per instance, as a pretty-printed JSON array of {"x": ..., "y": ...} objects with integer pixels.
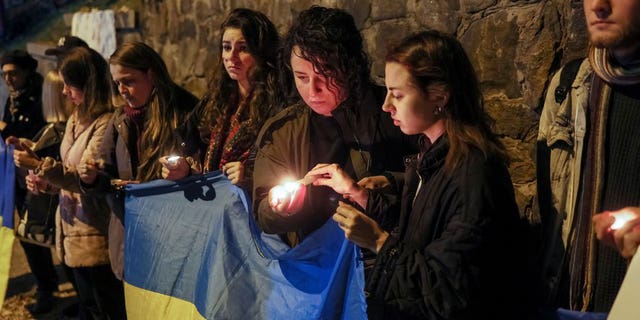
[{"x": 567, "y": 75}]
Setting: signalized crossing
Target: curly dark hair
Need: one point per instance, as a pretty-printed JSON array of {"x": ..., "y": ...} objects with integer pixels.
[
  {"x": 330, "y": 40},
  {"x": 223, "y": 96}
]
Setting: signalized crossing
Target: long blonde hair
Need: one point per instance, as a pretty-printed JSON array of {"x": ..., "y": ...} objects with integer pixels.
[
  {"x": 166, "y": 109},
  {"x": 55, "y": 108}
]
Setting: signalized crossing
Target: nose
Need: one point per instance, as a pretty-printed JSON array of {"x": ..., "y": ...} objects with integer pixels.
[
  {"x": 122, "y": 89},
  {"x": 234, "y": 55},
  {"x": 602, "y": 8},
  {"x": 386, "y": 105},
  {"x": 65, "y": 90},
  {"x": 314, "y": 87}
]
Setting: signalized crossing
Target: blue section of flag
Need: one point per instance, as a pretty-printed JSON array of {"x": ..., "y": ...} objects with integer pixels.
[
  {"x": 196, "y": 240},
  {"x": 7, "y": 181}
]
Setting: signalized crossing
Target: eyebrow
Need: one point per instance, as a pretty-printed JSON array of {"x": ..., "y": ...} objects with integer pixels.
[{"x": 239, "y": 41}]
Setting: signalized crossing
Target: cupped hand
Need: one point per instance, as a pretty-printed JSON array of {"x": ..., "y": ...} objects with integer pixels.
[
  {"x": 174, "y": 167},
  {"x": 620, "y": 229},
  {"x": 288, "y": 198},
  {"x": 26, "y": 159},
  {"x": 35, "y": 184},
  {"x": 88, "y": 171}
]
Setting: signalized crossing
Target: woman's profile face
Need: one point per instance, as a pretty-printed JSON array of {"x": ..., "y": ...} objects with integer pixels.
[
  {"x": 135, "y": 86},
  {"x": 73, "y": 94},
  {"x": 235, "y": 55},
  {"x": 410, "y": 107}
]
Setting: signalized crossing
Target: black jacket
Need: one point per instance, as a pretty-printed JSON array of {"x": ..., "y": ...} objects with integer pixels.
[
  {"x": 456, "y": 253},
  {"x": 27, "y": 119},
  {"x": 42, "y": 206}
]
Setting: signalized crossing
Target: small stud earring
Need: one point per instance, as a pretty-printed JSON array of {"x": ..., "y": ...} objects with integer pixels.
[{"x": 438, "y": 110}]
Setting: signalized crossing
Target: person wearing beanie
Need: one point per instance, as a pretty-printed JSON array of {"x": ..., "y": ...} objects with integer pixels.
[
  {"x": 22, "y": 116},
  {"x": 23, "y": 109}
]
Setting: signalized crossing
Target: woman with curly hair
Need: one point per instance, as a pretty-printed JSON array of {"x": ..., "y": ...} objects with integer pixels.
[
  {"x": 337, "y": 121},
  {"x": 243, "y": 92}
]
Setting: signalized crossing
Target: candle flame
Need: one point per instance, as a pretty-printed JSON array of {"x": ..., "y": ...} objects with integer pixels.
[{"x": 620, "y": 219}]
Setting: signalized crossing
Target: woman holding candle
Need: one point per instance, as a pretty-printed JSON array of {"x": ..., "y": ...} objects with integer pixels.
[
  {"x": 141, "y": 131},
  {"x": 337, "y": 120},
  {"x": 242, "y": 93},
  {"x": 458, "y": 252}
]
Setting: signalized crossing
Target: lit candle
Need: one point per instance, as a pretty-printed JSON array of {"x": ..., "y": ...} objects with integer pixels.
[
  {"x": 621, "y": 218},
  {"x": 172, "y": 160},
  {"x": 291, "y": 191},
  {"x": 278, "y": 195}
]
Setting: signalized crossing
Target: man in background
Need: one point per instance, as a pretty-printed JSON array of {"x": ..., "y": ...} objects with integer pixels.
[{"x": 589, "y": 159}]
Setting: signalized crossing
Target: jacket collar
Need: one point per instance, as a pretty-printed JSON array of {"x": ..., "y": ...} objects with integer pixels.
[{"x": 432, "y": 156}]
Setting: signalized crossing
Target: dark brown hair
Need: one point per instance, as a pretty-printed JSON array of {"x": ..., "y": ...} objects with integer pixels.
[
  {"x": 264, "y": 99},
  {"x": 330, "y": 40},
  {"x": 438, "y": 60},
  {"x": 86, "y": 69}
]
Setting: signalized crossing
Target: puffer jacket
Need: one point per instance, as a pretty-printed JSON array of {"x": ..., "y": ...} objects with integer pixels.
[
  {"x": 560, "y": 152},
  {"x": 458, "y": 252}
]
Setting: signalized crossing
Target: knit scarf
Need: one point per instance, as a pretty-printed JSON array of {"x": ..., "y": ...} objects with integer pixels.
[
  {"x": 231, "y": 140},
  {"x": 610, "y": 70},
  {"x": 136, "y": 115},
  {"x": 582, "y": 251}
]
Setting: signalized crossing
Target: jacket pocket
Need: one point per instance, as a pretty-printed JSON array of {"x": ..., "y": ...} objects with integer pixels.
[
  {"x": 560, "y": 141},
  {"x": 560, "y": 133}
]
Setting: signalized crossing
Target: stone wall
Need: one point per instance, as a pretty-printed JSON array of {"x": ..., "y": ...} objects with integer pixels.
[{"x": 515, "y": 46}]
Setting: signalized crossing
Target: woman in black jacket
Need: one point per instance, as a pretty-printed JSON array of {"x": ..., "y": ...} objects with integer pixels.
[{"x": 457, "y": 252}]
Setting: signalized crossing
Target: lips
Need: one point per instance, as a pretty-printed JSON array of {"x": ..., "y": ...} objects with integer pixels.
[{"x": 601, "y": 22}]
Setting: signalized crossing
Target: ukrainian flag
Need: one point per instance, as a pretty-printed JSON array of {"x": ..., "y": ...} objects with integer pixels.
[
  {"x": 193, "y": 251},
  {"x": 7, "y": 176}
]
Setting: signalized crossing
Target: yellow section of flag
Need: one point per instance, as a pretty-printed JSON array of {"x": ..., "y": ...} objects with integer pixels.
[
  {"x": 157, "y": 306},
  {"x": 6, "y": 247}
]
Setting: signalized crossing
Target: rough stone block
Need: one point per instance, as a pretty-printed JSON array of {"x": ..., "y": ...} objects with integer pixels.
[{"x": 383, "y": 10}]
